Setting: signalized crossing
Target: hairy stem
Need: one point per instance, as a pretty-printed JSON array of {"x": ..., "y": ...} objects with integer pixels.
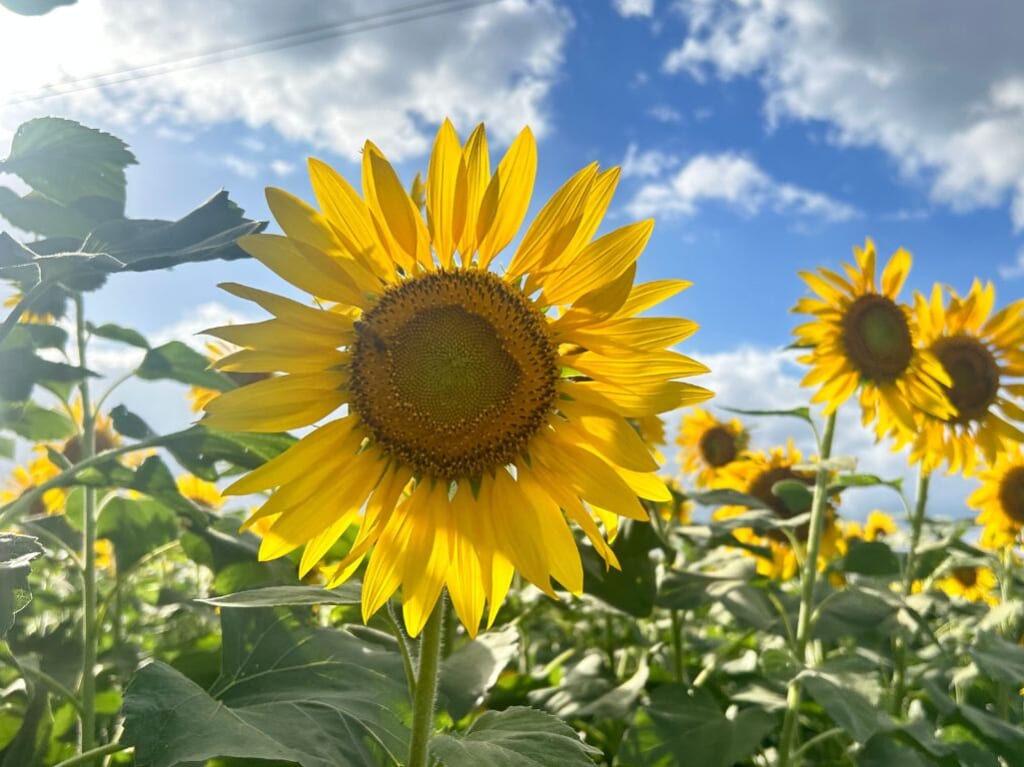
[
  {"x": 787, "y": 740},
  {"x": 425, "y": 694}
]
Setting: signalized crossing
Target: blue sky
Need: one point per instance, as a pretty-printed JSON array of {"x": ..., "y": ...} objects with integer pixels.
[{"x": 765, "y": 137}]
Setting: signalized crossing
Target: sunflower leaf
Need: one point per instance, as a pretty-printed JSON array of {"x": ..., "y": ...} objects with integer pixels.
[
  {"x": 515, "y": 737},
  {"x": 289, "y": 596},
  {"x": 803, "y": 413},
  {"x": 469, "y": 672}
]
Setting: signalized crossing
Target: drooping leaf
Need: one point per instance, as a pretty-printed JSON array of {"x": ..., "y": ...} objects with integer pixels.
[
  {"x": 35, "y": 423},
  {"x": 199, "y": 449},
  {"x": 130, "y": 425},
  {"x": 803, "y": 413},
  {"x": 118, "y": 333},
  {"x": 264, "y": 706},
  {"x": 176, "y": 361},
  {"x": 289, "y": 596},
  {"x": 36, "y": 213},
  {"x": 23, "y": 369},
  {"x": 469, "y": 672},
  {"x": 633, "y": 588},
  {"x": 515, "y": 737}
]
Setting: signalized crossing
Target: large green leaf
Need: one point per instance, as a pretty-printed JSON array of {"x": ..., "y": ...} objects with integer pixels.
[
  {"x": 136, "y": 526},
  {"x": 16, "y": 553},
  {"x": 34, "y": 212},
  {"x": 469, "y": 672},
  {"x": 21, "y": 369},
  {"x": 633, "y": 588},
  {"x": 176, "y": 361},
  {"x": 677, "y": 729},
  {"x": 29, "y": 420},
  {"x": 67, "y": 161},
  {"x": 515, "y": 737},
  {"x": 200, "y": 449},
  {"x": 847, "y": 708},
  {"x": 318, "y": 697},
  {"x": 289, "y": 596},
  {"x": 998, "y": 659}
]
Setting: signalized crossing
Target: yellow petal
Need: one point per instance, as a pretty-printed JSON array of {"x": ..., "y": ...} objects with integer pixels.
[
  {"x": 507, "y": 198},
  {"x": 394, "y": 209},
  {"x": 446, "y": 211},
  {"x": 472, "y": 185}
]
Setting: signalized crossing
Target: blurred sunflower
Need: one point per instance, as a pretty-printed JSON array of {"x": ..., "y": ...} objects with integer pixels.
[
  {"x": 708, "y": 445},
  {"x": 1000, "y": 499},
  {"x": 861, "y": 338},
  {"x": 877, "y": 526},
  {"x": 983, "y": 354},
  {"x": 216, "y": 350},
  {"x": 105, "y": 555},
  {"x": 106, "y": 438},
  {"x": 757, "y": 475},
  {"x": 24, "y": 478},
  {"x": 970, "y": 582},
  {"x": 679, "y": 509},
  {"x": 200, "y": 492},
  {"x": 46, "y": 309},
  {"x": 652, "y": 431},
  {"x": 479, "y": 406}
]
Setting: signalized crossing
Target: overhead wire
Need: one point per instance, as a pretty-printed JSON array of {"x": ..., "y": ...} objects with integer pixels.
[{"x": 305, "y": 36}]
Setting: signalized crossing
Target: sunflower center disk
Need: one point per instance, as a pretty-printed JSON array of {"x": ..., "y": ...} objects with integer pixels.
[
  {"x": 967, "y": 576},
  {"x": 877, "y": 338},
  {"x": 975, "y": 375},
  {"x": 761, "y": 488},
  {"x": 453, "y": 373},
  {"x": 718, "y": 446},
  {"x": 1011, "y": 494}
]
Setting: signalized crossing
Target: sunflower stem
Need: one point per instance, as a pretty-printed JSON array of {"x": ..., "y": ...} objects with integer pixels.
[
  {"x": 425, "y": 693},
  {"x": 787, "y": 740},
  {"x": 89, "y": 626},
  {"x": 677, "y": 645}
]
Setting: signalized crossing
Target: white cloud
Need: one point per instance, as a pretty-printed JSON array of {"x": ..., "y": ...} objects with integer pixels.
[
  {"x": 663, "y": 113},
  {"x": 739, "y": 183},
  {"x": 1015, "y": 270},
  {"x": 241, "y": 166},
  {"x": 945, "y": 98},
  {"x": 494, "y": 63},
  {"x": 752, "y": 378},
  {"x": 647, "y": 164},
  {"x": 253, "y": 144},
  {"x": 634, "y": 7},
  {"x": 282, "y": 167}
]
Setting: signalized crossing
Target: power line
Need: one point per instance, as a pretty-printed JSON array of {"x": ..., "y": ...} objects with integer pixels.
[{"x": 305, "y": 36}]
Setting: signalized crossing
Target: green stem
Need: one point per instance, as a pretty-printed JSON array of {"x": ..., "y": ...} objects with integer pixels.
[
  {"x": 20, "y": 308},
  {"x": 787, "y": 740},
  {"x": 403, "y": 647},
  {"x": 677, "y": 645},
  {"x": 90, "y": 636},
  {"x": 916, "y": 525},
  {"x": 88, "y": 756},
  {"x": 425, "y": 693}
]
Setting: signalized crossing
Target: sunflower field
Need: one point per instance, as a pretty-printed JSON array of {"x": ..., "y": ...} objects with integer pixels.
[{"x": 467, "y": 502}]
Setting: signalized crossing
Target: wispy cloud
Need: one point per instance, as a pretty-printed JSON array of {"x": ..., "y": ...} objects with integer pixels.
[
  {"x": 240, "y": 166},
  {"x": 736, "y": 181},
  {"x": 1015, "y": 270},
  {"x": 663, "y": 113},
  {"x": 647, "y": 164},
  {"x": 634, "y": 7}
]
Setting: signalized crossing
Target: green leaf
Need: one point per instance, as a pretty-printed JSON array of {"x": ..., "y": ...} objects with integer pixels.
[
  {"x": 997, "y": 658},
  {"x": 582, "y": 684},
  {"x": 318, "y": 697},
  {"x": 843, "y": 481},
  {"x": 35, "y": 423},
  {"x": 135, "y": 526},
  {"x": 619, "y": 703},
  {"x": 177, "y": 361},
  {"x": 206, "y": 233},
  {"x": 16, "y": 553},
  {"x": 129, "y": 424},
  {"x": 37, "y": 213},
  {"x": 26, "y": 335},
  {"x": 119, "y": 333},
  {"x": 848, "y": 709},
  {"x": 677, "y": 729},
  {"x": 687, "y": 590},
  {"x": 795, "y": 494},
  {"x": 23, "y": 369},
  {"x": 289, "y": 596},
  {"x": 470, "y": 672},
  {"x": 199, "y": 449},
  {"x": 727, "y": 498},
  {"x": 67, "y": 161},
  {"x": 803, "y": 413},
  {"x": 633, "y": 588},
  {"x": 515, "y": 737},
  {"x": 855, "y": 612},
  {"x": 883, "y": 751},
  {"x": 870, "y": 558}
]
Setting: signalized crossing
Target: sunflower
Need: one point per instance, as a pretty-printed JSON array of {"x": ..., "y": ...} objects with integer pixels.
[
  {"x": 878, "y": 526},
  {"x": 105, "y": 437},
  {"x": 480, "y": 409},
  {"x": 46, "y": 309},
  {"x": 24, "y": 478},
  {"x": 983, "y": 354},
  {"x": 970, "y": 582},
  {"x": 215, "y": 350},
  {"x": 678, "y": 510},
  {"x": 200, "y": 492},
  {"x": 861, "y": 338},
  {"x": 1000, "y": 499},
  {"x": 756, "y": 474},
  {"x": 708, "y": 445}
]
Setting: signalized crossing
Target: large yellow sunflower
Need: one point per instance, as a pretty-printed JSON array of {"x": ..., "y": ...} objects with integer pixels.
[
  {"x": 983, "y": 353},
  {"x": 708, "y": 445},
  {"x": 1000, "y": 499},
  {"x": 216, "y": 350},
  {"x": 480, "y": 409},
  {"x": 861, "y": 338},
  {"x": 756, "y": 474}
]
